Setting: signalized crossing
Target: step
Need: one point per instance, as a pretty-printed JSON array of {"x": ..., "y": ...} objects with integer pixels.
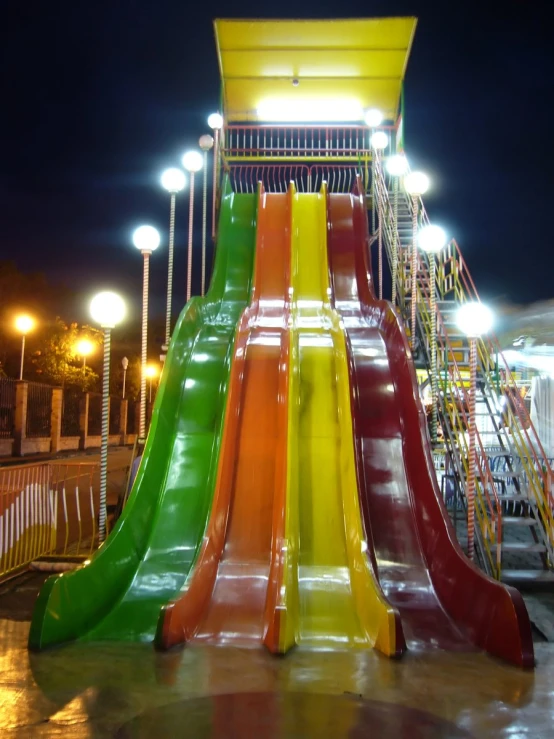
[
  {"x": 518, "y": 521},
  {"x": 513, "y": 576},
  {"x": 521, "y": 547},
  {"x": 513, "y": 498}
]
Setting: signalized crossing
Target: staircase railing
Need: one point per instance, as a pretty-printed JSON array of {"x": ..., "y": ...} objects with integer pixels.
[{"x": 454, "y": 283}]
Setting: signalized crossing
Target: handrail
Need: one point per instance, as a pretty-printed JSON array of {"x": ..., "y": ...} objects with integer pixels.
[{"x": 453, "y": 281}]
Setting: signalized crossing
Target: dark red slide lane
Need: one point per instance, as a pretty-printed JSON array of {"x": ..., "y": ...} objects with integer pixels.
[{"x": 444, "y": 601}]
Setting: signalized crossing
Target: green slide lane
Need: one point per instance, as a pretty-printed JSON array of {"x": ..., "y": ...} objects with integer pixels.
[{"x": 146, "y": 559}]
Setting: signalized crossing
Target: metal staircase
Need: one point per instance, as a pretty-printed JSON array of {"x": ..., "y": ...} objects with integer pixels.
[{"x": 513, "y": 504}]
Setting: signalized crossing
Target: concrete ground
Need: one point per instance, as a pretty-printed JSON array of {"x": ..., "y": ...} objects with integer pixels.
[{"x": 129, "y": 690}]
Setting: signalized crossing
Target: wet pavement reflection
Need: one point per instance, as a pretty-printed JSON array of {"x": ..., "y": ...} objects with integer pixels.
[{"x": 109, "y": 689}]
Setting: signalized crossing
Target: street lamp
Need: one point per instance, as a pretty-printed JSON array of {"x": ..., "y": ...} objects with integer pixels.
[
  {"x": 124, "y": 364},
  {"x": 397, "y": 166},
  {"x": 432, "y": 239},
  {"x": 23, "y": 324},
  {"x": 147, "y": 240},
  {"x": 84, "y": 348},
  {"x": 215, "y": 122},
  {"x": 107, "y": 309},
  {"x": 379, "y": 142},
  {"x": 192, "y": 161},
  {"x": 173, "y": 180},
  {"x": 151, "y": 372},
  {"x": 416, "y": 185},
  {"x": 205, "y": 142},
  {"x": 474, "y": 319}
]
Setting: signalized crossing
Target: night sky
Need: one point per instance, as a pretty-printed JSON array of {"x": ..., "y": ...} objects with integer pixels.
[{"x": 99, "y": 97}]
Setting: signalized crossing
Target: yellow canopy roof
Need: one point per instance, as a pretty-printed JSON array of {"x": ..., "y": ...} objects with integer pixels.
[{"x": 271, "y": 67}]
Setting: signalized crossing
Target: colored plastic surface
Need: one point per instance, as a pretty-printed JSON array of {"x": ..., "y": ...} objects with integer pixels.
[
  {"x": 443, "y": 599},
  {"x": 332, "y": 598},
  {"x": 232, "y": 592},
  {"x": 146, "y": 558}
]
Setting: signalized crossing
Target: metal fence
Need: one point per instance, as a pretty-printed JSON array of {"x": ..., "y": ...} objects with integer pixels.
[
  {"x": 95, "y": 414},
  {"x": 39, "y": 410},
  {"x": 47, "y": 508},
  {"x": 277, "y": 177},
  {"x": 71, "y": 410},
  {"x": 7, "y": 407},
  {"x": 115, "y": 413}
]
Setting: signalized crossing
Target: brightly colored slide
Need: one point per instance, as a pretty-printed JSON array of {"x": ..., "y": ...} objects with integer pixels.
[
  {"x": 288, "y": 412},
  {"x": 443, "y": 599},
  {"x": 147, "y": 557},
  {"x": 334, "y": 599},
  {"x": 231, "y": 594}
]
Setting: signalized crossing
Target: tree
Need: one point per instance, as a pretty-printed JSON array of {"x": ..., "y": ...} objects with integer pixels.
[
  {"x": 25, "y": 293},
  {"x": 57, "y": 360}
]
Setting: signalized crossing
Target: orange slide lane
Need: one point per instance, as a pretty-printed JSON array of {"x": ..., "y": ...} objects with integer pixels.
[{"x": 232, "y": 593}]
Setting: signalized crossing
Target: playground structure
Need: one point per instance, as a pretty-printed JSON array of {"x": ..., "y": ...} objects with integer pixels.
[{"x": 287, "y": 493}]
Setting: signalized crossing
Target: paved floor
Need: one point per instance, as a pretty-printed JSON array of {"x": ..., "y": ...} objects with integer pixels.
[{"x": 129, "y": 690}]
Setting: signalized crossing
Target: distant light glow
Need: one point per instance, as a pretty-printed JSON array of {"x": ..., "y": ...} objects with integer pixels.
[
  {"x": 173, "y": 180},
  {"x": 379, "y": 141},
  {"x": 151, "y": 371},
  {"x": 474, "y": 319},
  {"x": 373, "y": 117},
  {"x": 215, "y": 121},
  {"x": 397, "y": 165},
  {"x": 24, "y": 324},
  {"x": 323, "y": 110},
  {"x": 193, "y": 161},
  {"x": 431, "y": 239},
  {"x": 146, "y": 238},
  {"x": 107, "y": 309},
  {"x": 84, "y": 347},
  {"x": 416, "y": 183}
]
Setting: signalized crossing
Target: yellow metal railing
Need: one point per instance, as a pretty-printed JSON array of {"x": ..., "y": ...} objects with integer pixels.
[{"x": 46, "y": 509}]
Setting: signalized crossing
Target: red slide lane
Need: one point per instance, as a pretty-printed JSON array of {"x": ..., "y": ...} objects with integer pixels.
[
  {"x": 232, "y": 593},
  {"x": 443, "y": 599}
]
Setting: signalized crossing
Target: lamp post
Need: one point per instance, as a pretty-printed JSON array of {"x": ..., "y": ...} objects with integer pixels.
[
  {"x": 373, "y": 118},
  {"x": 124, "y": 364},
  {"x": 215, "y": 122},
  {"x": 474, "y": 319},
  {"x": 173, "y": 180},
  {"x": 107, "y": 309},
  {"x": 192, "y": 161},
  {"x": 397, "y": 166},
  {"x": 379, "y": 142},
  {"x": 416, "y": 185},
  {"x": 151, "y": 372},
  {"x": 84, "y": 348},
  {"x": 23, "y": 324},
  {"x": 205, "y": 142},
  {"x": 147, "y": 240},
  {"x": 432, "y": 239}
]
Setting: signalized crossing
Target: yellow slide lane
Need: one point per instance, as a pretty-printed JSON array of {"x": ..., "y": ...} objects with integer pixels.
[{"x": 331, "y": 596}]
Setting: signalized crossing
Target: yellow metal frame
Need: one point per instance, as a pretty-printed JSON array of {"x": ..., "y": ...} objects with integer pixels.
[{"x": 358, "y": 59}]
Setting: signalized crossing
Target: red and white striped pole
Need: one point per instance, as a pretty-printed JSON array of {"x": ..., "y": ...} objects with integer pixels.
[
  {"x": 413, "y": 270},
  {"x": 379, "y": 142},
  {"x": 471, "y": 450},
  {"x": 192, "y": 162},
  {"x": 215, "y": 122},
  {"x": 474, "y": 319},
  {"x": 205, "y": 142}
]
